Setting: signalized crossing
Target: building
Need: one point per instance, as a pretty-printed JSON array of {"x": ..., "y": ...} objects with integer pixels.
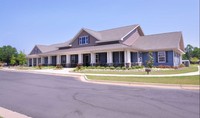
[{"x": 123, "y": 46}]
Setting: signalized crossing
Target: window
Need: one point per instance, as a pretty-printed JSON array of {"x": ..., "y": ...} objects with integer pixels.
[
  {"x": 97, "y": 58},
  {"x": 83, "y": 40},
  {"x": 161, "y": 57}
]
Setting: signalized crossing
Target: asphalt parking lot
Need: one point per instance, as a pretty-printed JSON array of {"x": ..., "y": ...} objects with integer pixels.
[{"x": 45, "y": 96}]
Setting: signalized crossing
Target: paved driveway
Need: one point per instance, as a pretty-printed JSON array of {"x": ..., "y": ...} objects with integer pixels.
[{"x": 43, "y": 96}]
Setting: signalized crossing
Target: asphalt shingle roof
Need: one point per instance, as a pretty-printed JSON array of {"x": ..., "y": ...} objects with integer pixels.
[{"x": 158, "y": 41}]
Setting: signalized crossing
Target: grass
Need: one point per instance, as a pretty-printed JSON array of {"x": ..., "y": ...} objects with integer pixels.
[
  {"x": 1, "y": 117},
  {"x": 192, "y": 68},
  {"x": 191, "y": 80}
]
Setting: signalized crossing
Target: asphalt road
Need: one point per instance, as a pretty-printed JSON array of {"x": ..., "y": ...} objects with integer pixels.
[{"x": 44, "y": 96}]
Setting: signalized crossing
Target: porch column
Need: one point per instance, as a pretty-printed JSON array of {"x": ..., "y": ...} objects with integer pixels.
[
  {"x": 67, "y": 60},
  {"x": 93, "y": 56},
  {"x": 58, "y": 59},
  {"x": 109, "y": 58},
  {"x": 139, "y": 61},
  {"x": 127, "y": 58},
  {"x": 42, "y": 60},
  {"x": 180, "y": 58},
  {"x": 49, "y": 60},
  {"x": 32, "y": 62},
  {"x": 80, "y": 59},
  {"x": 28, "y": 62},
  {"x": 37, "y": 61}
]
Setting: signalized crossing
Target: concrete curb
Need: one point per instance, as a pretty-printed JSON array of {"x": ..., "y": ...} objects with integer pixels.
[{"x": 5, "y": 113}]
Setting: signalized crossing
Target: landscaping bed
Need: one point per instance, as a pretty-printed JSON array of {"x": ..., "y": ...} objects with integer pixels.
[{"x": 136, "y": 70}]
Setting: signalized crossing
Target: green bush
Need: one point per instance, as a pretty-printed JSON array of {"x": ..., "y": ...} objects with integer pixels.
[
  {"x": 59, "y": 66},
  {"x": 107, "y": 68},
  {"x": 102, "y": 67},
  {"x": 123, "y": 68},
  {"x": 112, "y": 67},
  {"x": 118, "y": 68},
  {"x": 98, "y": 67},
  {"x": 194, "y": 60}
]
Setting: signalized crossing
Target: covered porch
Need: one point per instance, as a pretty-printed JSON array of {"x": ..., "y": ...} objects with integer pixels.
[{"x": 96, "y": 58}]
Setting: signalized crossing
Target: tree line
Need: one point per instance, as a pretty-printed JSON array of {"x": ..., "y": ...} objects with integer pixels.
[
  {"x": 11, "y": 56},
  {"x": 192, "y": 54}
]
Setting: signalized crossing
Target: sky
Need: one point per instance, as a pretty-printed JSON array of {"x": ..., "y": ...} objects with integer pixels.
[{"x": 25, "y": 23}]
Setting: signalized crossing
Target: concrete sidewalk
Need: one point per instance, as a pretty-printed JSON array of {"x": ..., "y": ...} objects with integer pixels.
[{"x": 5, "y": 113}]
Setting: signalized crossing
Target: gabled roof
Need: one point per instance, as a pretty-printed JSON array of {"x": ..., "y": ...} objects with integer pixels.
[
  {"x": 48, "y": 48},
  {"x": 115, "y": 34},
  {"x": 162, "y": 41}
]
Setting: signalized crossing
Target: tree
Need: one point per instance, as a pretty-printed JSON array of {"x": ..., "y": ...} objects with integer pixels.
[
  {"x": 196, "y": 52},
  {"x": 6, "y": 52},
  {"x": 21, "y": 58},
  {"x": 13, "y": 60},
  {"x": 150, "y": 60},
  {"x": 189, "y": 48}
]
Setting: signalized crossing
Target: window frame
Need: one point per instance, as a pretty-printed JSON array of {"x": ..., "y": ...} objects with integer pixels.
[
  {"x": 161, "y": 54},
  {"x": 83, "y": 40}
]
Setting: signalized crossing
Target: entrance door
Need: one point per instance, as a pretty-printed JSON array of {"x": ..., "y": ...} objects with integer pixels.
[{"x": 86, "y": 60}]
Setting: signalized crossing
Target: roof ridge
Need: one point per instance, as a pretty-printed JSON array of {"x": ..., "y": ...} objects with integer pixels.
[
  {"x": 118, "y": 27},
  {"x": 163, "y": 33}
]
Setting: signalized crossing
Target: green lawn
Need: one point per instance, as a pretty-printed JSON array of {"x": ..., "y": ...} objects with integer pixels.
[
  {"x": 192, "y": 68},
  {"x": 192, "y": 80}
]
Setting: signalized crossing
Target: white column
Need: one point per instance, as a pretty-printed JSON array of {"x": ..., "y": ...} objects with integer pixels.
[
  {"x": 67, "y": 60},
  {"x": 28, "y": 62},
  {"x": 109, "y": 57},
  {"x": 42, "y": 60},
  {"x": 37, "y": 61},
  {"x": 180, "y": 58},
  {"x": 138, "y": 57},
  {"x": 128, "y": 56},
  {"x": 92, "y": 56},
  {"x": 49, "y": 60},
  {"x": 58, "y": 59},
  {"x": 80, "y": 59},
  {"x": 125, "y": 58},
  {"x": 32, "y": 62}
]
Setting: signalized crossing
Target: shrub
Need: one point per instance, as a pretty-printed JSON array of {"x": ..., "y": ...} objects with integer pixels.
[
  {"x": 133, "y": 67},
  {"x": 137, "y": 67},
  {"x": 123, "y": 68},
  {"x": 102, "y": 67},
  {"x": 91, "y": 67},
  {"x": 107, "y": 67},
  {"x": 118, "y": 68},
  {"x": 40, "y": 66},
  {"x": 59, "y": 66},
  {"x": 194, "y": 60},
  {"x": 181, "y": 66},
  {"x": 112, "y": 67},
  {"x": 98, "y": 67}
]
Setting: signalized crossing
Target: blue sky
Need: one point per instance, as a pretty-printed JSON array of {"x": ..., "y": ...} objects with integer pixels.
[{"x": 24, "y": 23}]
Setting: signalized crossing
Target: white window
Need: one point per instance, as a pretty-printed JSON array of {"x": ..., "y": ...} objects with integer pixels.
[
  {"x": 161, "y": 57},
  {"x": 83, "y": 40}
]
